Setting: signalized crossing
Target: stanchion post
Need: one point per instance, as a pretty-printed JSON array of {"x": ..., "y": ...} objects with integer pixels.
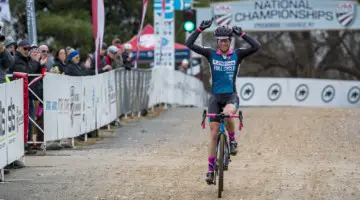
[{"x": 2, "y": 175}]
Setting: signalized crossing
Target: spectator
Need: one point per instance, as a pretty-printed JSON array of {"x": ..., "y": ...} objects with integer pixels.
[
  {"x": 126, "y": 55},
  {"x": 6, "y": 61},
  {"x": 37, "y": 62},
  {"x": 10, "y": 45},
  {"x": 89, "y": 61},
  {"x": 103, "y": 64},
  {"x": 117, "y": 42},
  {"x": 60, "y": 62},
  {"x": 184, "y": 66},
  {"x": 45, "y": 54},
  {"x": 73, "y": 68},
  {"x": 22, "y": 62},
  {"x": 112, "y": 57}
]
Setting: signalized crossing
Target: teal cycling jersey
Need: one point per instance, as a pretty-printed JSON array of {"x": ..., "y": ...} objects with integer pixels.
[{"x": 224, "y": 69}]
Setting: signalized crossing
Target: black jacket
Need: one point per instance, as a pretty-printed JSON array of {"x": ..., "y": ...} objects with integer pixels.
[
  {"x": 73, "y": 69},
  {"x": 60, "y": 65},
  {"x": 22, "y": 64},
  {"x": 6, "y": 62}
]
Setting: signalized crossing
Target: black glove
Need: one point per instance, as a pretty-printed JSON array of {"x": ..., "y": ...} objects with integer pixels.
[
  {"x": 237, "y": 30},
  {"x": 206, "y": 24}
]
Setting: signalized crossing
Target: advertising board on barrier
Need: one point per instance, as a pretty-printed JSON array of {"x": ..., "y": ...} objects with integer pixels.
[
  {"x": 298, "y": 92},
  {"x": 291, "y": 15},
  {"x": 11, "y": 122},
  {"x": 3, "y": 135},
  {"x": 80, "y": 105},
  {"x": 15, "y": 120},
  {"x": 106, "y": 109}
]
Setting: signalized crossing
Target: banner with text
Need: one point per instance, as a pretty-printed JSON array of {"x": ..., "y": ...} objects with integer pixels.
[
  {"x": 164, "y": 25},
  {"x": 290, "y": 15}
]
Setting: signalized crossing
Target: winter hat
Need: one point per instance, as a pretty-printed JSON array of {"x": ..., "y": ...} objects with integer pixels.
[
  {"x": 113, "y": 49},
  {"x": 33, "y": 48},
  {"x": 10, "y": 41},
  {"x": 72, "y": 53}
]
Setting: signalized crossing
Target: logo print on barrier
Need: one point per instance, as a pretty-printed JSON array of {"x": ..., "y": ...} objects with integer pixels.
[
  {"x": 247, "y": 91},
  {"x": 328, "y": 93},
  {"x": 345, "y": 13},
  {"x": 72, "y": 105},
  {"x": 274, "y": 92},
  {"x": 302, "y": 92},
  {"x": 2, "y": 119},
  {"x": 11, "y": 116},
  {"x": 353, "y": 95}
]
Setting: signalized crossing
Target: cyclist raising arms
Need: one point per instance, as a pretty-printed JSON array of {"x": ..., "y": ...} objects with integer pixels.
[{"x": 224, "y": 64}]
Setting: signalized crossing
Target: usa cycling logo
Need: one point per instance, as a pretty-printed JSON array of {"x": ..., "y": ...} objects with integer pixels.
[
  {"x": 345, "y": 13},
  {"x": 223, "y": 15}
]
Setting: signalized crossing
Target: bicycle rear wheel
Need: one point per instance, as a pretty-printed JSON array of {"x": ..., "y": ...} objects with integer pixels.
[{"x": 220, "y": 164}]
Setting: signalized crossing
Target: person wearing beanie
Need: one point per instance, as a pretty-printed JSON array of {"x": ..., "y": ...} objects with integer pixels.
[
  {"x": 74, "y": 68},
  {"x": 112, "y": 57},
  {"x": 10, "y": 45}
]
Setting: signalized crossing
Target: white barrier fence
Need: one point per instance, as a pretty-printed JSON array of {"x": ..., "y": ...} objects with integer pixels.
[
  {"x": 78, "y": 105},
  {"x": 11, "y": 122},
  {"x": 298, "y": 92},
  {"x": 174, "y": 87}
]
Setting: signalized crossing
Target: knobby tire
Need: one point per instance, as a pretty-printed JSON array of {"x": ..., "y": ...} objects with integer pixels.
[{"x": 221, "y": 164}]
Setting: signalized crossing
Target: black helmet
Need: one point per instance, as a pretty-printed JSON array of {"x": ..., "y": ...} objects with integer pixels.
[{"x": 223, "y": 32}]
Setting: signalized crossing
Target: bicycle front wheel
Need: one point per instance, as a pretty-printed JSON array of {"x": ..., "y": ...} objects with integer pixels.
[{"x": 220, "y": 164}]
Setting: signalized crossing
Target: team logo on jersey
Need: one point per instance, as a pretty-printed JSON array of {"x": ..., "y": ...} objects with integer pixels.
[
  {"x": 224, "y": 63},
  {"x": 223, "y": 15},
  {"x": 345, "y": 13}
]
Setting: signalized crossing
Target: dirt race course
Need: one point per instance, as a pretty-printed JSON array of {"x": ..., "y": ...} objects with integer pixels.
[{"x": 285, "y": 153}]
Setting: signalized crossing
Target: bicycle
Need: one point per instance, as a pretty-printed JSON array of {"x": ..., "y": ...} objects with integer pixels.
[{"x": 222, "y": 147}]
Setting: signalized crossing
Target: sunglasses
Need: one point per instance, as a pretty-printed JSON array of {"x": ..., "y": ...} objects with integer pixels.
[
  {"x": 226, "y": 41},
  {"x": 26, "y": 48},
  {"x": 44, "y": 51}
]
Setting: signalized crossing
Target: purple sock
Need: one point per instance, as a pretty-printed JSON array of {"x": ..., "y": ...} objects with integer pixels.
[
  {"x": 211, "y": 160},
  {"x": 232, "y": 136}
]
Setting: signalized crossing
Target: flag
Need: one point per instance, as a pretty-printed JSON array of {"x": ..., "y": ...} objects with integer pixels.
[
  {"x": 98, "y": 21},
  {"x": 145, "y": 3}
]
